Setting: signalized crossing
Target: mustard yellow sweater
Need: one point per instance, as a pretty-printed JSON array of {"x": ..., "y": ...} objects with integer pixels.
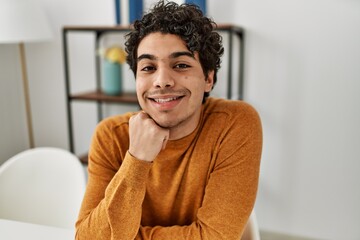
[{"x": 202, "y": 186}]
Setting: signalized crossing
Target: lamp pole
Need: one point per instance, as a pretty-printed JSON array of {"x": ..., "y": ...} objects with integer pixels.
[{"x": 26, "y": 94}]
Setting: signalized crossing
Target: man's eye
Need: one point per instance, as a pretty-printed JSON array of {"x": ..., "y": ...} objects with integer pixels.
[
  {"x": 182, "y": 66},
  {"x": 148, "y": 68}
]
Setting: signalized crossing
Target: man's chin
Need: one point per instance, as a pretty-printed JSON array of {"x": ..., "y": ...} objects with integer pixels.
[{"x": 165, "y": 124}]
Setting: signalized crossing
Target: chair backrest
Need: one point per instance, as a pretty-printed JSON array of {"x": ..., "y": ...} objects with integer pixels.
[
  {"x": 251, "y": 231},
  {"x": 43, "y": 186}
]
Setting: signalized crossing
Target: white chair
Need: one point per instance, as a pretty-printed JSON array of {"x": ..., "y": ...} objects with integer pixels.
[
  {"x": 43, "y": 186},
  {"x": 251, "y": 231}
]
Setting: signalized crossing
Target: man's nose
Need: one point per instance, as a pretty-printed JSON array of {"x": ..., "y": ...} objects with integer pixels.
[{"x": 164, "y": 79}]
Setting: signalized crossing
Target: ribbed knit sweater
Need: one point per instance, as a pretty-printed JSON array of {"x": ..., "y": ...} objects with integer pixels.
[{"x": 202, "y": 186}]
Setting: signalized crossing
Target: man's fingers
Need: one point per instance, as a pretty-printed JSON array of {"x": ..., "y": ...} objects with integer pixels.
[{"x": 147, "y": 138}]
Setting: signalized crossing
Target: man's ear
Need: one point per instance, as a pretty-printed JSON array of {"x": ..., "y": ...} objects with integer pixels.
[{"x": 209, "y": 81}]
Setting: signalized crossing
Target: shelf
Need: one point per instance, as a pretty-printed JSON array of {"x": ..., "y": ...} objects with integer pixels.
[
  {"x": 129, "y": 98},
  {"x": 98, "y": 28},
  {"x": 221, "y": 27}
]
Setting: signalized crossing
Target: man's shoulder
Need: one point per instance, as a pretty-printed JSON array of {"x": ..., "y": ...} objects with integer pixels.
[
  {"x": 230, "y": 108},
  {"x": 231, "y": 119}
]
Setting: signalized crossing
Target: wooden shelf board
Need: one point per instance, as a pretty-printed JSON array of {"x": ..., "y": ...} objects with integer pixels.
[
  {"x": 99, "y": 96},
  {"x": 101, "y": 28}
]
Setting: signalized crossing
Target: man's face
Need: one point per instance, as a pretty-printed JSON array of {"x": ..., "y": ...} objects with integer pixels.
[{"x": 170, "y": 83}]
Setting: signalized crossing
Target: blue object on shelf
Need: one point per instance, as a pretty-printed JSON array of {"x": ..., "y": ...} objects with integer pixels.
[
  {"x": 111, "y": 78},
  {"x": 200, "y": 3},
  {"x": 135, "y": 10},
  {"x": 117, "y": 11}
]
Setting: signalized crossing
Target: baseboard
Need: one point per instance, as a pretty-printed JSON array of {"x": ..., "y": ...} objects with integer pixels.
[{"x": 268, "y": 235}]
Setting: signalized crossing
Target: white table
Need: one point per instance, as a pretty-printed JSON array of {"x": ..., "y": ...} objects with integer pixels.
[{"x": 13, "y": 230}]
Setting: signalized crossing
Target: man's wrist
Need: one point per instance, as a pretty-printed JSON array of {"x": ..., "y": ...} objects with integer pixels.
[{"x": 139, "y": 159}]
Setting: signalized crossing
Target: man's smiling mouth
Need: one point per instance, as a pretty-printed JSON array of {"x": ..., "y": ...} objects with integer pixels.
[{"x": 165, "y": 100}]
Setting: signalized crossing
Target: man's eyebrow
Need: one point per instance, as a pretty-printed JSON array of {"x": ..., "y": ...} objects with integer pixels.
[
  {"x": 146, "y": 56},
  {"x": 172, "y": 55},
  {"x": 184, "y": 53}
]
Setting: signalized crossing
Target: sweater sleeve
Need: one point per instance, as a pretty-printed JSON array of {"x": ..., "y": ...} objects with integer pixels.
[
  {"x": 111, "y": 207},
  {"x": 232, "y": 186}
]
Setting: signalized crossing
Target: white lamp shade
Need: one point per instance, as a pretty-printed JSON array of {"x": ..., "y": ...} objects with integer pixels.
[{"x": 23, "y": 21}]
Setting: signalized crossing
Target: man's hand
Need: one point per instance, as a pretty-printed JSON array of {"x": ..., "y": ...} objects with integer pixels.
[{"x": 147, "y": 139}]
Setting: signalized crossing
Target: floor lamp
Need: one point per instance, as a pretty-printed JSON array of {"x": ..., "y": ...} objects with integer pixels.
[{"x": 23, "y": 21}]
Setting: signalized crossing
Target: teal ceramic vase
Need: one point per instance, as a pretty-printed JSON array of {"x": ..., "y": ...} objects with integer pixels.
[{"x": 111, "y": 78}]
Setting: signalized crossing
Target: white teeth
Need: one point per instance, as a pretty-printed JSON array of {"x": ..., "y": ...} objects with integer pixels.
[{"x": 163, "y": 100}]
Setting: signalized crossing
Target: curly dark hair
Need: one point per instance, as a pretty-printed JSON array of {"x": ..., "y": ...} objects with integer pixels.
[{"x": 186, "y": 21}]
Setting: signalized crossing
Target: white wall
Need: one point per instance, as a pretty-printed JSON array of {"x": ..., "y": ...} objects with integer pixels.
[
  {"x": 301, "y": 74},
  {"x": 12, "y": 111}
]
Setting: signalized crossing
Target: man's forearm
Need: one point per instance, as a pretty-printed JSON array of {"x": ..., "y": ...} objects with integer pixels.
[{"x": 118, "y": 215}]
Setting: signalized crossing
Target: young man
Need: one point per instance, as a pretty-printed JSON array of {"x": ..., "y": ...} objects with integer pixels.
[{"x": 186, "y": 166}]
